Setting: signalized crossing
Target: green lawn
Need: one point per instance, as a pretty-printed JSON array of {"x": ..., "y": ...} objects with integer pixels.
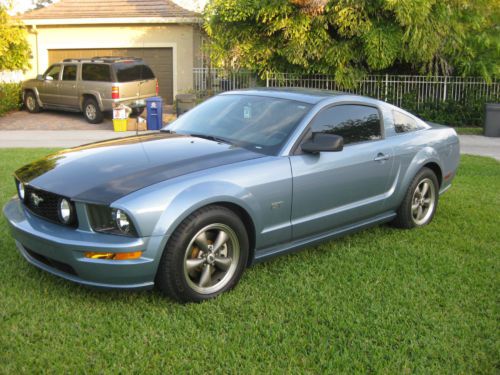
[{"x": 383, "y": 301}]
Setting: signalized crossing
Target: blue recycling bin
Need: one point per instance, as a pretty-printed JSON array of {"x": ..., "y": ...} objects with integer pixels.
[{"x": 154, "y": 119}]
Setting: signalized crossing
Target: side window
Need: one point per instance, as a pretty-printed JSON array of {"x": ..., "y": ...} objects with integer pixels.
[
  {"x": 355, "y": 123},
  {"x": 69, "y": 73},
  {"x": 96, "y": 72},
  {"x": 53, "y": 72},
  {"x": 404, "y": 123}
]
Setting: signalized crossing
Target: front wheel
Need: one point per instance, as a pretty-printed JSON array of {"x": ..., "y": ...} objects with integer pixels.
[
  {"x": 205, "y": 256},
  {"x": 30, "y": 102},
  {"x": 91, "y": 111},
  {"x": 420, "y": 202}
]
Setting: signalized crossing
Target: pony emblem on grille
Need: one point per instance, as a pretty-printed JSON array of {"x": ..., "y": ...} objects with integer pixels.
[{"x": 36, "y": 199}]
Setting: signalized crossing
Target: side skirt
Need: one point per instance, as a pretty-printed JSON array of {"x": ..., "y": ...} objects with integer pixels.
[{"x": 264, "y": 254}]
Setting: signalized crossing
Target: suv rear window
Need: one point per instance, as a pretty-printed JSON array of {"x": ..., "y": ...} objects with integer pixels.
[
  {"x": 127, "y": 72},
  {"x": 96, "y": 72}
]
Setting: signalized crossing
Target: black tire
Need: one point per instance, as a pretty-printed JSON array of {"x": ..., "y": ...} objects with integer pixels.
[
  {"x": 136, "y": 112},
  {"x": 30, "y": 102},
  {"x": 408, "y": 213},
  {"x": 91, "y": 111},
  {"x": 177, "y": 280}
]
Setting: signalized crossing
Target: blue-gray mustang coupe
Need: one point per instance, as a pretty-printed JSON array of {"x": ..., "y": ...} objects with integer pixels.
[{"x": 242, "y": 177}]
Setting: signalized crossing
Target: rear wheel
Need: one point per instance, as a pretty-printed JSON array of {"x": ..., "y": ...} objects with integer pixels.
[
  {"x": 420, "y": 202},
  {"x": 205, "y": 256},
  {"x": 31, "y": 103},
  {"x": 91, "y": 111}
]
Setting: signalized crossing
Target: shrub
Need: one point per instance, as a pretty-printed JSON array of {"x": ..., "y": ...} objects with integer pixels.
[
  {"x": 10, "y": 97},
  {"x": 456, "y": 113}
]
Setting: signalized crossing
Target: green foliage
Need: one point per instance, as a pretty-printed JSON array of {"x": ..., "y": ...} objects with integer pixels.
[
  {"x": 14, "y": 48},
  {"x": 456, "y": 113},
  {"x": 382, "y": 301},
  {"x": 10, "y": 97},
  {"x": 351, "y": 38}
]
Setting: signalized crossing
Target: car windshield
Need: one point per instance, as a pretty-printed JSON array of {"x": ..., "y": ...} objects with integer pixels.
[{"x": 261, "y": 124}]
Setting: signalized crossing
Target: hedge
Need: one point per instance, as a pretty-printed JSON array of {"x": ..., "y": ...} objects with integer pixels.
[{"x": 10, "y": 97}]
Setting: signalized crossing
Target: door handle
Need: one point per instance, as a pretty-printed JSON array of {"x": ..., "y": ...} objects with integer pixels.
[{"x": 382, "y": 157}]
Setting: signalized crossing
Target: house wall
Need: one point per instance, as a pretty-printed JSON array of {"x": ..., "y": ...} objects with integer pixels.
[{"x": 183, "y": 39}]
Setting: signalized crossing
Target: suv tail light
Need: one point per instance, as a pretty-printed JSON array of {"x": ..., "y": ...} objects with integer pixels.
[
  {"x": 115, "y": 92},
  {"x": 157, "y": 88}
]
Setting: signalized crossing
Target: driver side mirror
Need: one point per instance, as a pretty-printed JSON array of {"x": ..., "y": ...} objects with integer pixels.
[
  {"x": 323, "y": 142},
  {"x": 48, "y": 78}
]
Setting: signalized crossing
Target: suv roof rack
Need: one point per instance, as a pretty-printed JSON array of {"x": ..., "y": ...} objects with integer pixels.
[{"x": 116, "y": 58}]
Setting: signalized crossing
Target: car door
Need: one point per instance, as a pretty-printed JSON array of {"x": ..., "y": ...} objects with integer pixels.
[
  {"x": 335, "y": 189},
  {"x": 68, "y": 93},
  {"x": 48, "y": 91}
]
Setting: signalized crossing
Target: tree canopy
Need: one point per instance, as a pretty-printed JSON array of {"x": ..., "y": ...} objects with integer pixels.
[
  {"x": 349, "y": 38},
  {"x": 14, "y": 48}
]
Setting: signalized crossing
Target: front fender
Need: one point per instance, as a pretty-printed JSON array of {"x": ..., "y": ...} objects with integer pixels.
[
  {"x": 202, "y": 195},
  {"x": 35, "y": 91}
]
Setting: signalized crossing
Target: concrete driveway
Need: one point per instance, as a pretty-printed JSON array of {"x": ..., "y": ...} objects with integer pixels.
[{"x": 480, "y": 145}]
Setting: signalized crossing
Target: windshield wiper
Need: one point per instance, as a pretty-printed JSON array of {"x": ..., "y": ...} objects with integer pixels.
[{"x": 211, "y": 138}]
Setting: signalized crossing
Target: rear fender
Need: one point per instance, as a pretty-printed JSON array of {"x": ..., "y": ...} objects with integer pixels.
[{"x": 95, "y": 94}]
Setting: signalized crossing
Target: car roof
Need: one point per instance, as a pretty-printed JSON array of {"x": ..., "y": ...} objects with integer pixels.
[{"x": 311, "y": 96}]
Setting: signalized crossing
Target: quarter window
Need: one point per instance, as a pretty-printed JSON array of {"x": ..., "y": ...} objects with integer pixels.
[
  {"x": 355, "y": 123},
  {"x": 69, "y": 73},
  {"x": 404, "y": 123},
  {"x": 96, "y": 72},
  {"x": 53, "y": 72}
]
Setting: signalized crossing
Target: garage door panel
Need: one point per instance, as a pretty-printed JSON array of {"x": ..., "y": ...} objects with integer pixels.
[{"x": 159, "y": 59}]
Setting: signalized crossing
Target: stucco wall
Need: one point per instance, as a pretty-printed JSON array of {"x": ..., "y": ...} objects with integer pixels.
[{"x": 181, "y": 38}]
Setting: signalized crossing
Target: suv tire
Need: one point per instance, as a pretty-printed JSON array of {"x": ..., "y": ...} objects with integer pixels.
[
  {"x": 91, "y": 111},
  {"x": 30, "y": 102}
]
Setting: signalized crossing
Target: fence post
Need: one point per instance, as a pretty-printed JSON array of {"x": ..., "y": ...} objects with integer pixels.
[
  {"x": 444, "y": 90},
  {"x": 386, "y": 85},
  {"x": 267, "y": 79}
]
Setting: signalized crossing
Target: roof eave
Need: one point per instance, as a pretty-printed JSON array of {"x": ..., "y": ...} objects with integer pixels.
[{"x": 101, "y": 21}]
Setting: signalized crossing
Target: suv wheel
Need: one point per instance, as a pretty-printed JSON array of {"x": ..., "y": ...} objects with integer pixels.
[
  {"x": 31, "y": 103},
  {"x": 91, "y": 111}
]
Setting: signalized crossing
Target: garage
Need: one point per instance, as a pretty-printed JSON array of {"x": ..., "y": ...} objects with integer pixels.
[{"x": 159, "y": 59}]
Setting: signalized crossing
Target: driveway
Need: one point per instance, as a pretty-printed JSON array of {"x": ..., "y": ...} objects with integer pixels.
[
  {"x": 51, "y": 120},
  {"x": 480, "y": 145}
]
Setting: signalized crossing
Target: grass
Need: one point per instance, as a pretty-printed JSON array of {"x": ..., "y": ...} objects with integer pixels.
[
  {"x": 472, "y": 130},
  {"x": 380, "y": 301}
]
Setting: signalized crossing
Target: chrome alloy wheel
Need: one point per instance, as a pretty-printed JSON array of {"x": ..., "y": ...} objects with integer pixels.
[
  {"x": 30, "y": 102},
  {"x": 423, "y": 201},
  {"x": 90, "y": 111},
  {"x": 211, "y": 258}
]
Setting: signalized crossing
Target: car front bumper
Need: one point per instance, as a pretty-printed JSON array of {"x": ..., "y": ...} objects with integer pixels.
[{"x": 60, "y": 250}]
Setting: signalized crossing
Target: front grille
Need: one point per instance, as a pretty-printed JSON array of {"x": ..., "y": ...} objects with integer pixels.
[
  {"x": 63, "y": 267},
  {"x": 45, "y": 204}
]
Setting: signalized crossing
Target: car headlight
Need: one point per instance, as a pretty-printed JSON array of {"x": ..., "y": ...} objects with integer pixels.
[
  {"x": 20, "y": 190},
  {"x": 65, "y": 211},
  {"x": 105, "y": 219}
]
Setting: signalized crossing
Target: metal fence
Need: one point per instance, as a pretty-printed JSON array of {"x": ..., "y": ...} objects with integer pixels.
[
  {"x": 394, "y": 89},
  {"x": 208, "y": 82}
]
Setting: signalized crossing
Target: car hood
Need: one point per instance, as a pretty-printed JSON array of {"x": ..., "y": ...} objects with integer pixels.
[{"x": 106, "y": 171}]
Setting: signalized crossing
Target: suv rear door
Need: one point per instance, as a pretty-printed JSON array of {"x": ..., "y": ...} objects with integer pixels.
[
  {"x": 68, "y": 92},
  {"x": 136, "y": 80}
]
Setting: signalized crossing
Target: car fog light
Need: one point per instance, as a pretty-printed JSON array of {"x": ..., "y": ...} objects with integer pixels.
[
  {"x": 20, "y": 190},
  {"x": 122, "y": 221},
  {"x": 113, "y": 256},
  {"x": 65, "y": 211}
]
